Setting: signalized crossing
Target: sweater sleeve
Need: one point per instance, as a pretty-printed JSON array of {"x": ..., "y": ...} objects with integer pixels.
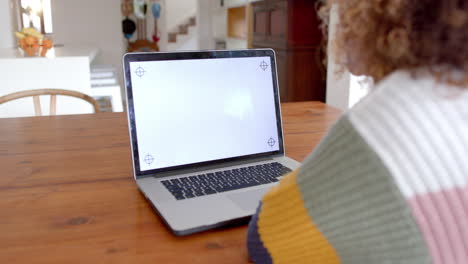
[{"x": 341, "y": 206}]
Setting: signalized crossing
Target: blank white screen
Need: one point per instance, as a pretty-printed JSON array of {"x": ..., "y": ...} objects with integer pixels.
[{"x": 191, "y": 111}]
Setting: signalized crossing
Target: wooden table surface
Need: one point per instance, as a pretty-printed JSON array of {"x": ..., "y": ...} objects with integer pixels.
[{"x": 67, "y": 193}]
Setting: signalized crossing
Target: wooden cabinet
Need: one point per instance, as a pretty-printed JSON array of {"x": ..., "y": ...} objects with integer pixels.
[{"x": 291, "y": 28}]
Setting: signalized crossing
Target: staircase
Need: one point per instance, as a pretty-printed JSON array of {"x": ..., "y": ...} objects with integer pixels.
[{"x": 185, "y": 37}]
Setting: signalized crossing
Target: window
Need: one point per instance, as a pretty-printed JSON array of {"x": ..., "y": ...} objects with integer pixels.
[{"x": 37, "y": 14}]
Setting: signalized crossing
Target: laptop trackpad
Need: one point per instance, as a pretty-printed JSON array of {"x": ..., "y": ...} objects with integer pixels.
[{"x": 248, "y": 200}]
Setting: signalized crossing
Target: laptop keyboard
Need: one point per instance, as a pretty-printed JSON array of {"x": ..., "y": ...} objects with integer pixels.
[{"x": 223, "y": 181}]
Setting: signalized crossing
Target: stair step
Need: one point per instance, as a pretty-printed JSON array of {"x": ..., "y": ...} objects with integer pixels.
[
  {"x": 192, "y": 21},
  {"x": 172, "y": 37},
  {"x": 183, "y": 29}
]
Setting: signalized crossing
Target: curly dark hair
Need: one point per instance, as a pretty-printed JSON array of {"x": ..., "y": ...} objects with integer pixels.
[{"x": 377, "y": 37}]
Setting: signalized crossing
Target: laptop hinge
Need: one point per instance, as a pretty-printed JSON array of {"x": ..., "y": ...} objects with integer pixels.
[{"x": 208, "y": 167}]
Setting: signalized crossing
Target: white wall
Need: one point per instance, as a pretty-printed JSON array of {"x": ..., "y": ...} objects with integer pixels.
[
  {"x": 173, "y": 14},
  {"x": 91, "y": 23},
  {"x": 7, "y": 39},
  {"x": 337, "y": 82},
  {"x": 178, "y": 11},
  {"x": 185, "y": 42},
  {"x": 219, "y": 16},
  {"x": 343, "y": 89},
  {"x": 211, "y": 20},
  {"x": 205, "y": 25}
]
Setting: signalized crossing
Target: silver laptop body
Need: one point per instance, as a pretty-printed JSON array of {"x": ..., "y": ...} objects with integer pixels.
[{"x": 202, "y": 114}]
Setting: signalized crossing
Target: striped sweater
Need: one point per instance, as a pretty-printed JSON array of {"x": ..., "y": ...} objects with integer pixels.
[{"x": 388, "y": 184}]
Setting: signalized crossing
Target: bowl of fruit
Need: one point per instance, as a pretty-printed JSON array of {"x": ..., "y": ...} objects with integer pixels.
[{"x": 33, "y": 43}]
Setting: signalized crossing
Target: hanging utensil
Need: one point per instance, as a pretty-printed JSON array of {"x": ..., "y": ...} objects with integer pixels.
[
  {"x": 156, "y": 11},
  {"x": 127, "y": 8},
  {"x": 140, "y": 14},
  {"x": 128, "y": 28}
]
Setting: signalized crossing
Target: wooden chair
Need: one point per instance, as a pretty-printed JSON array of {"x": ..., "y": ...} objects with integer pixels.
[{"x": 53, "y": 98}]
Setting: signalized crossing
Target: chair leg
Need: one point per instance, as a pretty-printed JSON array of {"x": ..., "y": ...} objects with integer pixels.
[
  {"x": 37, "y": 105},
  {"x": 53, "y": 104}
]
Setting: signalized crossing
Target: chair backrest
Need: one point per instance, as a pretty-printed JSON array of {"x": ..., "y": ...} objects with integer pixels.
[{"x": 53, "y": 98}]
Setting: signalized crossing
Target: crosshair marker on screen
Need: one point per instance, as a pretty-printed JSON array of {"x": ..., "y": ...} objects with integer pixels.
[
  {"x": 263, "y": 65},
  {"x": 271, "y": 142},
  {"x": 140, "y": 71},
  {"x": 149, "y": 159}
]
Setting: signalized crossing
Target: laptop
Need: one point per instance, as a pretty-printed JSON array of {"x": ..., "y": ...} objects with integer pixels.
[{"x": 206, "y": 134}]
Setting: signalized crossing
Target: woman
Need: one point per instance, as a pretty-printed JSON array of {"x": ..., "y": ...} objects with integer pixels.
[{"x": 389, "y": 183}]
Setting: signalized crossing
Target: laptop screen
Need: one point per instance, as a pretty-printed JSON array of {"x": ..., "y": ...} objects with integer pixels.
[{"x": 200, "y": 110}]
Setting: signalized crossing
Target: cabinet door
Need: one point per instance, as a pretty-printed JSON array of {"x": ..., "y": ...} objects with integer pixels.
[
  {"x": 304, "y": 24},
  {"x": 306, "y": 78},
  {"x": 278, "y": 22},
  {"x": 261, "y": 21}
]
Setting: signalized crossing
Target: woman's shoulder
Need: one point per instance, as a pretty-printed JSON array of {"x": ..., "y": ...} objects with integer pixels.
[
  {"x": 414, "y": 122},
  {"x": 411, "y": 95}
]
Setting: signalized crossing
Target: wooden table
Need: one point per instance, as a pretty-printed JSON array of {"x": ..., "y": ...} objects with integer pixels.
[{"x": 67, "y": 193}]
